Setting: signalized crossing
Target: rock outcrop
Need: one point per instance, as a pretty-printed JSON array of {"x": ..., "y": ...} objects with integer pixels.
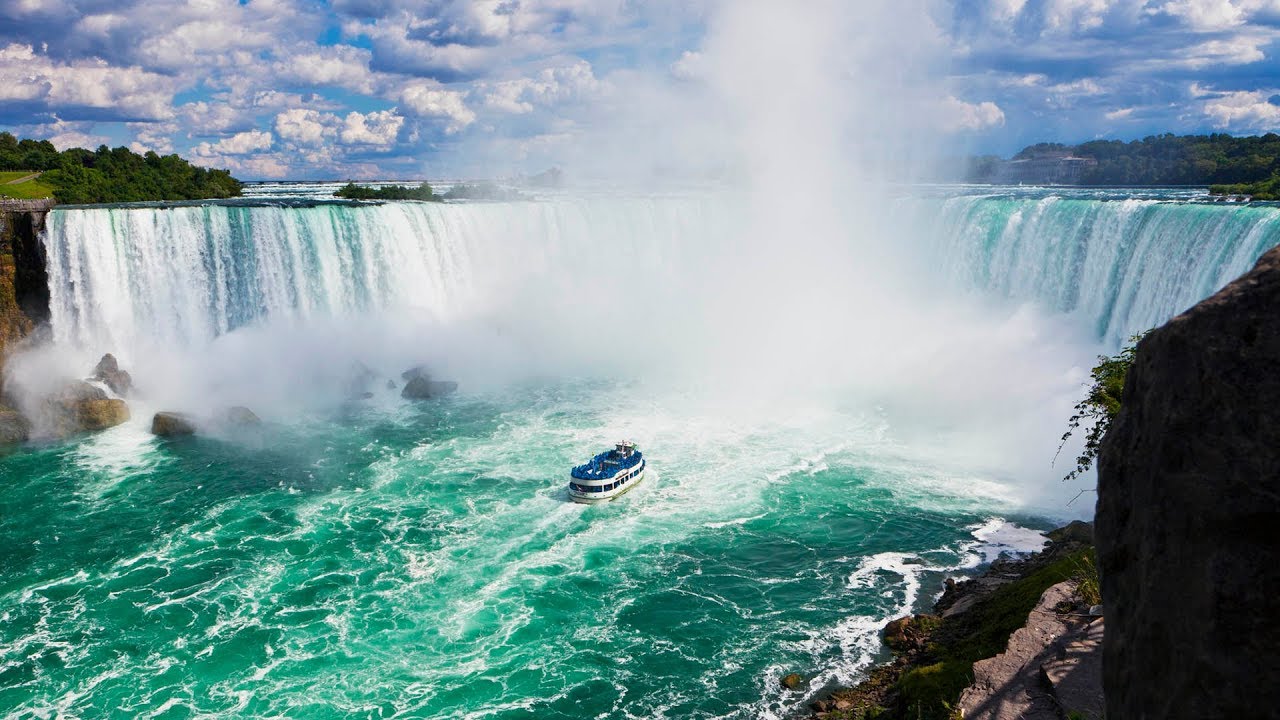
[
  {"x": 239, "y": 416},
  {"x": 24, "y": 288},
  {"x": 172, "y": 424},
  {"x": 80, "y": 407},
  {"x": 419, "y": 385},
  {"x": 109, "y": 373},
  {"x": 1012, "y": 685},
  {"x": 13, "y": 427},
  {"x": 1188, "y": 510}
]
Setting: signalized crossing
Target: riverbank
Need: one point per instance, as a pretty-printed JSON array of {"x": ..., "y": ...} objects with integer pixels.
[{"x": 973, "y": 620}]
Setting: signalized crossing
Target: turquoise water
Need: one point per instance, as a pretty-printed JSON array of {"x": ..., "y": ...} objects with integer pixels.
[
  {"x": 425, "y": 562},
  {"x": 836, "y": 420}
]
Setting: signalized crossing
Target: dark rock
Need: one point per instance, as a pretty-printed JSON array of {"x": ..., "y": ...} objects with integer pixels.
[
  {"x": 108, "y": 372},
  {"x": 239, "y": 416},
  {"x": 391, "y": 384},
  {"x": 1077, "y": 531},
  {"x": 1188, "y": 509},
  {"x": 170, "y": 424},
  {"x": 360, "y": 379},
  {"x": 793, "y": 681},
  {"x": 422, "y": 387},
  {"x": 416, "y": 371},
  {"x": 908, "y": 633},
  {"x": 13, "y": 427}
]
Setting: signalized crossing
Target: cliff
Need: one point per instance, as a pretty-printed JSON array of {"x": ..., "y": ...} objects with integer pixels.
[
  {"x": 1188, "y": 510},
  {"x": 24, "y": 285}
]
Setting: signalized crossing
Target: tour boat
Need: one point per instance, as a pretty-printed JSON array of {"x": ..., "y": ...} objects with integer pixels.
[{"x": 607, "y": 475}]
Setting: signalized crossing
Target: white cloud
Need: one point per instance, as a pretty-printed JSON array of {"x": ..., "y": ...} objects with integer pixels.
[
  {"x": 430, "y": 101},
  {"x": 337, "y": 66},
  {"x": 690, "y": 66},
  {"x": 125, "y": 92},
  {"x": 306, "y": 127},
  {"x": 958, "y": 115},
  {"x": 550, "y": 86},
  {"x": 1240, "y": 110},
  {"x": 375, "y": 128},
  {"x": 66, "y": 135}
]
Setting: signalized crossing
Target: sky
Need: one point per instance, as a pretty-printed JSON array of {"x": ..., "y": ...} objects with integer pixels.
[{"x": 371, "y": 89}]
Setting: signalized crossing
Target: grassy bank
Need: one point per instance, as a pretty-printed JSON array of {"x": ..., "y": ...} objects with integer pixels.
[{"x": 28, "y": 189}]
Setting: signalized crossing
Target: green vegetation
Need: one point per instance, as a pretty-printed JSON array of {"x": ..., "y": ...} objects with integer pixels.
[
  {"x": 1101, "y": 404},
  {"x": 480, "y": 191},
  {"x": 29, "y": 189},
  {"x": 930, "y": 692},
  {"x": 352, "y": 191},
  {"x": 118, "y": 174},
  {"x": 1268, "y": 189},
  {"x": 1231, "y": 165},
  {"x": 1173, "y": 160}
]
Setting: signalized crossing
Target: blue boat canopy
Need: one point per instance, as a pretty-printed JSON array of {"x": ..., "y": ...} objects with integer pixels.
[{"x": 607, "y": 464}]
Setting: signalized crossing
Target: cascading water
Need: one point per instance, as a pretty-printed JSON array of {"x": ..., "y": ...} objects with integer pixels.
[
  {"x": 1123, "y": 264},
  {"x": 373, "y": 558},
  {"x": 188, "y": 274}
]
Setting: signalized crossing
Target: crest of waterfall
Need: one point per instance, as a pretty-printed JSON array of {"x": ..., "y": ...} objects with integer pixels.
[{"x": 186, "y": 275}]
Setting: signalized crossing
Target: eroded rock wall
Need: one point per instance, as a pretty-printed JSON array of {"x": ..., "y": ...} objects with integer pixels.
[
  {"x": 24, "y": 283},
  {"x": 1188, "y": 517}
]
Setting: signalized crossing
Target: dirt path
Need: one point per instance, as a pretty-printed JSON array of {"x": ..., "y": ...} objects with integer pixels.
[{"x": 32, "y": 176}]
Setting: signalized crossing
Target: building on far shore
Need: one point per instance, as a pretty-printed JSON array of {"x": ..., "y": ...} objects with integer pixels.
[{"x": 1054, "y": 168}]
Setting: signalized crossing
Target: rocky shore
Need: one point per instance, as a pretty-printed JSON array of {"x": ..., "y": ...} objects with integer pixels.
[{"x": 990, "y": 644}]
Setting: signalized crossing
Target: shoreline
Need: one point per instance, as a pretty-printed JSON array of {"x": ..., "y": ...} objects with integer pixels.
[{"x": 934, "y": 653}]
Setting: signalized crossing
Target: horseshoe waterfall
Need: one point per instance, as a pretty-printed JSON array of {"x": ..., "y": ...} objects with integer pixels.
[{"x": 835, "y": 417}]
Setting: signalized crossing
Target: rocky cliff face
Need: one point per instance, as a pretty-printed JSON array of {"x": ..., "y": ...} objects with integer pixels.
[
  {"x": 24, "y": 284},
  {"x": 1189, "y": 511}
]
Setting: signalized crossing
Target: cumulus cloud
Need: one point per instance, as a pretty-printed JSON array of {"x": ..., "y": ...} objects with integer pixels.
[
  {"x": 548, "y": 87},
  {"x": 239, "y": 144},
  {"x": 1247, "y": 110},
  {"x": 957, "y": 115},
  {"x": 88, "y": 89},
  {"x": 337, "y": 66},
  {"x": 375, "y": 128},
  {"x": 433, "y": 102},
  {"x": 306, "y": 127}
]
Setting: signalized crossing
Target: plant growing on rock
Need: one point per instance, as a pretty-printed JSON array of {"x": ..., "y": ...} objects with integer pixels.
[{"x": 1101, "y": 405}]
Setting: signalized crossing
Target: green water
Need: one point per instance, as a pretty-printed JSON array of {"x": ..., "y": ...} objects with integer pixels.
[{"x": 387, "y": 560}]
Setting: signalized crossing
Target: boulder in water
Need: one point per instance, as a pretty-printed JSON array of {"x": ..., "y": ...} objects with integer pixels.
[
  {"x": 416, "y": 371},
  {"x": 108, "y": 372},
  {"x": 79, "y": 407},
  {"x": 13, "y": 427},
  {"x": 792, "y": 681},
  {"x": 170, "y": 424},
  {"x": 240, "y": 416},
  {"x": 423, "y": 387}
]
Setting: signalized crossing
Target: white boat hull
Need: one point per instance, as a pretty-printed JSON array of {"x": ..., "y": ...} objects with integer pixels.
[{"x": 595, "y": 498}]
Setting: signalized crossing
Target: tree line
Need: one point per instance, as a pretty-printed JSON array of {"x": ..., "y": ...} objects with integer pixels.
[
  {"x": 117, "y": 174},
  {"x": 1168, "y": 159}
]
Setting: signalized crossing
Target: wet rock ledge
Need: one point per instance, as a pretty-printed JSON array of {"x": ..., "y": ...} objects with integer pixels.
[{"x": 1019, "y": 641}]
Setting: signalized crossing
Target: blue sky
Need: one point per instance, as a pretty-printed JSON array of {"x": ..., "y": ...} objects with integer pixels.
[{"x": 400, "y": 88}]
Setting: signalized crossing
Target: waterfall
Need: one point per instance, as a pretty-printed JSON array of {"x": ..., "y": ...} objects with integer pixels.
[
  {"x": 1122, "y": 265},
  {"x": 191, "y": 273}
]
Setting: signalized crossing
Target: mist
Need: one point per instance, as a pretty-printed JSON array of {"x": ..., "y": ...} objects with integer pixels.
[{"x": 786, "y": 283}]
